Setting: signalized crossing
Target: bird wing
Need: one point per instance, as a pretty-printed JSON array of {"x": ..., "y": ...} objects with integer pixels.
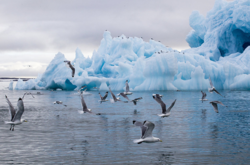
[
  {"x": 210, "y": 81},
  {"x": 217, "y": 92},
  {"x": 24, "y": 95},
  {"x": 84, "y": 106},
  {"x": 20, "y": 110},
  {"x": 125, "y": 96},
  {"x": 157, "y": 98},
  {"x": 139, "y": 98},
  {"x": 105, "y": 96},
  {"x": 171, "y": 106},
  {"x": 101, "y": 96},
  {"x": 163, "y": 105},
  {"x": 203, "y": 95},
  {"x": 12, "y": 111},
  {"x": 127, "y": 87},
  {"x": 150, "y": 126},
  {"x": 218, "y": 102},
  {"x": 73, "y": 71},
  {"x": 143, "y": 128},
  {"x": 215, "y": 107},
  {"x": 112, "y": 94}
]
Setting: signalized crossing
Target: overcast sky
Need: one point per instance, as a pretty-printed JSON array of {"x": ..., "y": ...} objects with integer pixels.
[{"x": 32, "y": 32}]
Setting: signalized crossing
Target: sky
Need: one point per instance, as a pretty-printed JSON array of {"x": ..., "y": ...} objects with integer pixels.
[{"x": 32, "y": 32}]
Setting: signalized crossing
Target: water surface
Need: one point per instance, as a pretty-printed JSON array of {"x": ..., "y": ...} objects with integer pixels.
[{"x": 193, "y": 134}]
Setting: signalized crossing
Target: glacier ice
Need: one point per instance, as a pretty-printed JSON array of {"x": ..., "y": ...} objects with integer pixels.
[{"x": 219, "y": 49}]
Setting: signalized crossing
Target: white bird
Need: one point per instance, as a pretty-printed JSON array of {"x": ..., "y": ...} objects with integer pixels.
[
  {"x": 84, "y": 106},
  {"x": 59, "y": 102},
  {"x": 204, "y": 95},
  {"x": 71, "y": 67},
  {"x": 146, "y": 129},
  {"x": 103, "y": 99},
  {"x": 15, "y": 114},
  {"x": 165, "y": 112},
  {"x": 212, "y": 89},
  {"x": 215, "y": 106},
  {"x": 127, "y": 92}
]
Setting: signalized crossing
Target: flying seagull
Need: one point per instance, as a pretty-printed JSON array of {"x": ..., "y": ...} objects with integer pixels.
[
  {"x": 146, "y": 129},
  {"x": 165, "y": 112},
  {"x": 136, "y": 100},
  {"x": 103, "y": 99},
  {"x": 212, "y": 89},
  {"x": 204, "y": 95},
  {"x": 127, "y": 92},
  {"x": 71, "y": 67},
  {"x": 214, "y": 104},
  {"x": 59, "y": 102},
  {"x": 27, "y": 93},
  {"x": 84, "y": 106},
  {"x": 15, "y": 114}
]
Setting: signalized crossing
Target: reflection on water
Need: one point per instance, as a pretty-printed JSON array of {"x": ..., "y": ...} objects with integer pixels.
[{"x": 193, "y": 134}]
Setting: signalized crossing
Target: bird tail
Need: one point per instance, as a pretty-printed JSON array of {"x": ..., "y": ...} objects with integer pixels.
[{"x": 138, "y": 141}]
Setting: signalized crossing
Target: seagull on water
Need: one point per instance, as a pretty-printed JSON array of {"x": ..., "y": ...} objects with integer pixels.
[
  {"x": 15, "y": 114},
  {"x": 103, "y": 99},
  {"x": 212, "y": 89},
  {"x": 71, "y": 67},
  {"x": 165, "y": 112},
  {"x": 204, "y": 95},
  {"x": 59, "y": 102},
  {"x": 127, "y": 92},
  {"x": 214, "y": 104},
  {"x": 146, "y": 129}
]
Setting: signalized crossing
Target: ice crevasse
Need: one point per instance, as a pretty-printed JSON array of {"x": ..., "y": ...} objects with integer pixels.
[{"x": 219, "y": 48}]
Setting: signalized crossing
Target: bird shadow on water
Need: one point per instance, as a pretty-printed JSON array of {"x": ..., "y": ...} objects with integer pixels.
[
  {"x": 214, "y": 131},
  {"x": 165, "y": 157},
  {"x": 203, "y": 114}
]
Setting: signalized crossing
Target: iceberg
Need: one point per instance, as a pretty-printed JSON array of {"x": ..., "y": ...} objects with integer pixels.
[{"x": 219, "y": 49}]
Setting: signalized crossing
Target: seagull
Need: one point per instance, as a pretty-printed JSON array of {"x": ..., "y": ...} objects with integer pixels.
[
  {"x": 59, "y": 102},
  {"x": 15, "y": 114},
  {"x": 204, "y": 95},
  {"x": 127, "y": 92},
  {"x": 113, "y": 96},
  {"x": 146, "y": 129},
  {"x": 214, "y": 104},
  {"x": 84, "y": 106},
  {"x": 71, "y": 67},
  {"x": 103, "y": 99},
  {"x": 212, "y": 89},
  {"x": 136, "y": 100},
  {"x": 27, "y": 93},
  {"x": 165, "y": 112}
]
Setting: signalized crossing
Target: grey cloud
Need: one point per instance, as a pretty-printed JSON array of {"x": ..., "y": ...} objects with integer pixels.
[{"x": 61, "y": 25}]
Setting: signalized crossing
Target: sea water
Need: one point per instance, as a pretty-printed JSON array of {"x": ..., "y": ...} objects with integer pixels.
[{"x": 192, "y": 134}]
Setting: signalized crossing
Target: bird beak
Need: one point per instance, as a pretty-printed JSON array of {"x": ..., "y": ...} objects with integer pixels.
[
  {"x": 160, "y": 140},
  {"x": 25, "y": 120}
]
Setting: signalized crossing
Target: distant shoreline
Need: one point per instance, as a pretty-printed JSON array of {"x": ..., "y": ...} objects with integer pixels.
[{"x": 14, "y": 78}]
